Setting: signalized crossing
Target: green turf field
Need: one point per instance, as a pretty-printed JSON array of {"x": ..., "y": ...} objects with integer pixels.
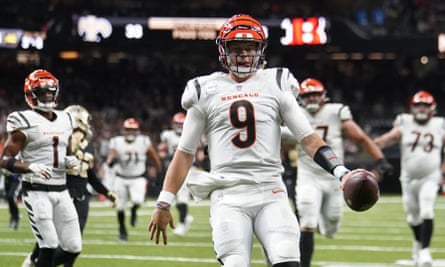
[{"x": 378, "y": 237}]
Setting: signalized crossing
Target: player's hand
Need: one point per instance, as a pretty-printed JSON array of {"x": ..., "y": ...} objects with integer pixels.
[
  {"x": 76, "y": 140},
  {"x": 160, "y": 218},
  {"x": 113, "y": 198},
  {"x": 45, "y": 172},
  {"x": 348, "y": 175},
  {"x": 71, "y": 162},
  {"x": 383, "y": 167}
]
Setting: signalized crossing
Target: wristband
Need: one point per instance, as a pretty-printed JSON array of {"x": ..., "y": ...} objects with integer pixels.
[
  {"x": 166, "y": 197},
  {"x": 340, "y": 171},
  {"x": 10, "y": 164},
  {"x": 162, "y": 205}
]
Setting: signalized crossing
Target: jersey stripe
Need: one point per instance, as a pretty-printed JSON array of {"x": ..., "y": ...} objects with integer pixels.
[
  {"x": 198, "y": 88},
  {"x": 25, "y": 119},
  {"x": 278, "y": 77}
]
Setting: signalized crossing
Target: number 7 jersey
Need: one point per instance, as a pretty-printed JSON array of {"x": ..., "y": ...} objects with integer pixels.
[{"x": 242, "y": 121}]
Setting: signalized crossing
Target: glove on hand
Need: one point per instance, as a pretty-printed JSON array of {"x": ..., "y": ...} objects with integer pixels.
[{"x": 41, "y": 170}]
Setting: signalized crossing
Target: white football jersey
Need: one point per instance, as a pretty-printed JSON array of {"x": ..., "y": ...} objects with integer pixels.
[
  {"x": 242, "y": 122},
  {"x": 46, "y": 142},
  {"x": 420, "y": 146},
  {"x": 327, "y": 124},
  {"x": 171, "y": 138},
  {"x": 132, "y": 157}
]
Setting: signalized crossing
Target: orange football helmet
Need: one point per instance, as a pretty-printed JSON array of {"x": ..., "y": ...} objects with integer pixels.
[
  {"x": 243, "y": 28},
  {"x": 178, "y": 122},
  {"x": 423, "y": 106},
  {"x": 37, "y": 84},
  {"x": 312, "y": 95},
  {"x": 131, "y": 129}
]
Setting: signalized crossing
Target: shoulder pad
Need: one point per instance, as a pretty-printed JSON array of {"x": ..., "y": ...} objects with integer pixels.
[{"x": 17, "y": 120}]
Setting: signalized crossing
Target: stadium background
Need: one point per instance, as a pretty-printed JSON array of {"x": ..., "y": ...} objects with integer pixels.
[{"x": 378, "y": 53}]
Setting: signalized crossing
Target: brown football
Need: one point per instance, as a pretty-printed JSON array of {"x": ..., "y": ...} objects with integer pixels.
[{"x": 361, "y": 191}]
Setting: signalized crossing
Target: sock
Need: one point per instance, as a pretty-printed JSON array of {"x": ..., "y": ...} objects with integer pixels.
[
  {"x": 35, "y": 253},
  {"x": 64, "y": 257},
  {"x": 416, "y": 231},
  {"x": 182, "y": 209},
  {"x": 426, "y": 231},
  {"x": 121, "y": 220},
  {"x": 306, "y": 248},
  {"x": 46, "y": 257}
]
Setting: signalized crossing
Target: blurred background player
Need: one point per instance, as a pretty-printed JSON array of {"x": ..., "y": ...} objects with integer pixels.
[
  {"x": 130, "y": 153},
  {"x": 421, "y": 137},
  {"x": 319, "y": 196},
  {"x": 77, "y": 179},
  {"x": 40, "y": 137},
  {"x": 13, "y": 185},
  {"x": 171, "y": 138}
]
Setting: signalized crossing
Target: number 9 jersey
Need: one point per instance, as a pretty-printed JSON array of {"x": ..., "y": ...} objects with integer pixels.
[{"x": 242, "y": 122}]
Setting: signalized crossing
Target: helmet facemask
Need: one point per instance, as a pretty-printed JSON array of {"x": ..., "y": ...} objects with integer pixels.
[
  {"x": 422, "y": 112},
  {"x": 236, "y": 58}
]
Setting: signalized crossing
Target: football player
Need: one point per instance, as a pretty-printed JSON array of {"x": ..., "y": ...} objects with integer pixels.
[
  {"x": 241, "y": 112},
  {"x": 130, "y": 153},
  {"x": 421, "y": 136},
  {"x": 40, "y": 137},
  {"x": 77, "y": 179},
  {"x": 171, "y": 138},
  {"x": 319, "y": 198}
]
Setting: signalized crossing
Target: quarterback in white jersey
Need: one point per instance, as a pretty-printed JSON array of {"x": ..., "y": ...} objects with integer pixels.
[
  {"x": 130, "y": 153},
  {"x": 319, "y": 198},
  {"x": 421, "y": 136},
  {"x": 241, "y": 112},
  {"x": 40, "y": 138}
]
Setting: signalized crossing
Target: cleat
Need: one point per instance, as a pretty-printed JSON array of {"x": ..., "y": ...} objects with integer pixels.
[
  {"x": 425, "y": 259},
  {"x": 180, "y": 230},
  {"x": 28, "y": 262}
]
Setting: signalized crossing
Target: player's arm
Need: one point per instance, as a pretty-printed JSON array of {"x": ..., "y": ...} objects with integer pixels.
[
  {"x": 154, "y": 157},
  {"x": 389, "y": 138},
  {"x": 13, "y": 144},
  {"x": 356, "y": 134},
  {"x": 111, "y": 157}
]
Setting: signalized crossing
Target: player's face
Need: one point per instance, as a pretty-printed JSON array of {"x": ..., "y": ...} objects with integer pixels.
[
  {"x": 44, "y": 95},
  {"x": 312, "y": 101},
  {"x": 422, "y": 111},
  {"x": 130, "y": 134},
  {"x": 242, "y": 54}
]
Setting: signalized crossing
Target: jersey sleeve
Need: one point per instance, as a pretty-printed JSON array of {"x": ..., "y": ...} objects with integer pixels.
[
  {"x": 287, "y": 81},
  {"x": 293, "y": 116},
  {"x": 16, "y": 121},
  {"x": 113, "y": 143},
  {"x": 194, "y": 125},
  {"x": 191, "y": 94},
  {"x": 345, "y": 113}
]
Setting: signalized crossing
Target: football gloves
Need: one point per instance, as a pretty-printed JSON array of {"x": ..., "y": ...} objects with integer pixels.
[
  {"x": 383, "y": 167},
  {"x": 41, "y": 170},
  {"x": 72, "y": 163}
]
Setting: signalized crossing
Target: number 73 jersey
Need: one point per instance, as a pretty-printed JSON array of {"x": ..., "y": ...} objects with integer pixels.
[
  {"x": 242, "y": 121},
  {"x": 420, "y": 146}
]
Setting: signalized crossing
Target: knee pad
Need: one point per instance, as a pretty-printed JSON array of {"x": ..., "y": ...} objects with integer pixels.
[{"x": 285, "y": 251}]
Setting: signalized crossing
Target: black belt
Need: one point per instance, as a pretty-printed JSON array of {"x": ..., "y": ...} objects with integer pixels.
[
  {"x": 129, "y": 176},
  {"x": 43, "y": 187}
]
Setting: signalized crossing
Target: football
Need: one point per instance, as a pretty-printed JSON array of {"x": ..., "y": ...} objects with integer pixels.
[{"x": 361, "y": 191}]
